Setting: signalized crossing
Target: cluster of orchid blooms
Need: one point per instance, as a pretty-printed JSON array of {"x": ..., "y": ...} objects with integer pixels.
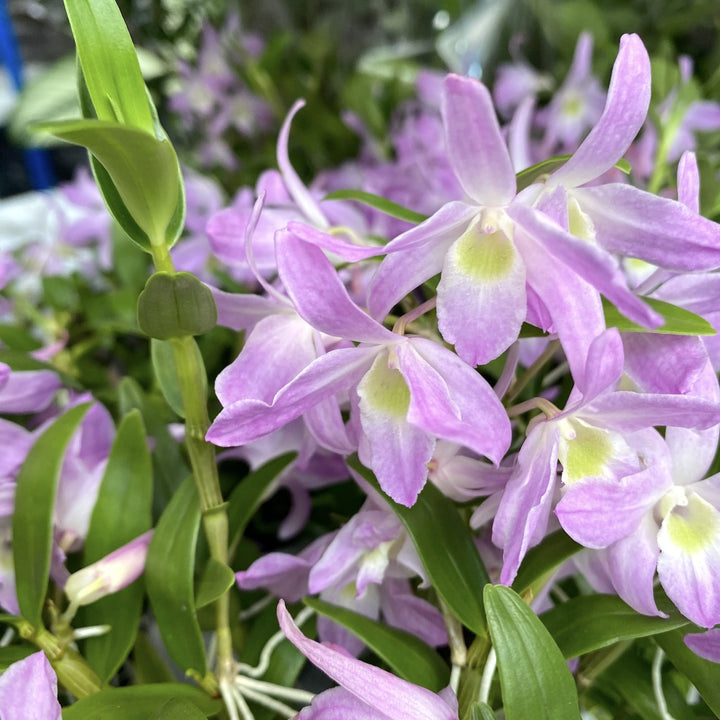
[{"x": 353, "y": 345}]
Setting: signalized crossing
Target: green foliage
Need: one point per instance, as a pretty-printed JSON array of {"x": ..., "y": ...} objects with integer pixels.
[
  {"x": 534, "y": 678},
  {"x": 678, "y": 321},
  {"x": 122, "y": 512},
  {"x": 33, "y": 515},
  {"x": 169, "y": 571}
]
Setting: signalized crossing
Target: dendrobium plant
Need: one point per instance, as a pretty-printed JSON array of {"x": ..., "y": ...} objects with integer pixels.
[{"x": 469, "y": 444}]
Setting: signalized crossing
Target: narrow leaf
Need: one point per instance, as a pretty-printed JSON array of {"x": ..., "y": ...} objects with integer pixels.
[
  {"x": 139, "y": 702},
  {"x": 703, "y": 674},
  {"x": 215, "y": 581},
  {"x": 247, "y": 497},
  {"x": 378, "y": 203},
  {"x": 123, "y": 511},
  {"x": 678, "y": 321},
  {"x": 13, "y": 653},
  {"x": 109, "y": 63},
  {"x": 481, "y": 711},
  {"x": 535, "y": 680},
  {"x": 33, "y": 516},
  {"x": 446, "y": 548},
  {"x": 409, "y": 657},
  {"x": 540, "y": 171},
  {"x": 169, "y": 578},
  {"x": 163, "y": 362},
  {"x": 591, "y": 622}
]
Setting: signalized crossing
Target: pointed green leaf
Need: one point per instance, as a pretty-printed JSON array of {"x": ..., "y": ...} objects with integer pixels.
[
  {"x": 33, "y": 517},
  {"x": 174, "y": 305},
  {"x": 179, "y": 709},
  {"x": 109, "y": 63},
  {"x": 215, "y": 581},
  {"x": 169, "y": 578},
  {"x": 122, "y": 512},
  {"x": 540, "y": 562},
  {"x": 143, "y": 169},
  {"x": 703, "y": 674},
  {"x": 590, "y": 622},
  {"x": 148, "y": 666},
  {"x": 678, "y": 321},
  {"x": 379, "y": 203},
  {"x": 13, "y": 653},
  {"x": 247, "y": 497},
  {"x": 409, "y": 657},
  {"x": 535, "y": 680},
  {"x": 138, "y": 702},
  {"x": 446, "y": 548}
]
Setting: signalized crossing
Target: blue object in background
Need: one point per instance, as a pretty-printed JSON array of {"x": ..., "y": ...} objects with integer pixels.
[{"x": 37, "y": 161}]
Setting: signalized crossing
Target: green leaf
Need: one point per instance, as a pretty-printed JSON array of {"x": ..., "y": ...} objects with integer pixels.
[
  {"x": 109, "y": 63},
  {"x": 481, "y": 711},
  {"x": 138, "y": 702},
  {"x": 179, "y": 709},
  {"x": 379, "y": 203},
  {"x": 408, "y": 656},
  {"x": 540, "y": 562},
  {"x": 535, "y": 680},
  {"x": 446, "y": 548},
  {"x": 703, "y": 674},
  {"x": 174, "y": 305},
  {"x": 215, "y": 581},
  {"x": 539, "y": 172},
  {"x": 169, "y": 578},
  {"x": 17, "y": 338},
  {"x": 148, "y": 666},
  {"x": 168, "y": 464},
  {"x": 247, "y": 497},
  {"x": 142, "y": 168},
  {"x": 32, "y": 522},
  {"x": 122, "y": 512},
  {"x": 678, "y": 321},
  {"x": 163, "y": 361},
  {"x": 590, "y": 622}
]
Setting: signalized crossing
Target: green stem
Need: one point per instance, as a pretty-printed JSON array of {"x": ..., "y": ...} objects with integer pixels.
[{"x": 193, "y": 385}]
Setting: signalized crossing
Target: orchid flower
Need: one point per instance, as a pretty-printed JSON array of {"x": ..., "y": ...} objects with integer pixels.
[
  {"x": 408, "y": 390},
  {"x": 28, "y": 690}
]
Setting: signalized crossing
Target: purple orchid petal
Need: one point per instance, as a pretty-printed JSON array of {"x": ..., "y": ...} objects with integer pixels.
[
  {"x": 688, "y": 182},
  {"x": 28, "y": 391},
  {"x": 669, "y": 364},
  {"x": 522, "y": 517},
  {"x": 28, "y": 690},
  {"x": 295, "y": 186},
  {"x": 689, "y": 563},
  {"x": 597, "y": 512},
  {"x": 342, "y": 248},
  {"x": 260, "y": 370},
  {"x": 242, "y": 311},
  {"x": 397, "y": 698},
  {"x": 325, "y": 423},
  {"x": 483, "y": 287},
  {"x": 573, "y": 304},
  {"x": 318, "y": 293},
  {"x": 624, "y": 114},
  {"x": 403, "y": 609},
  {"x": 247, "y": 420},
  {"x": 590, "y": 262},
  {"x": 631, "y": 564},
  {"x": 398, "y": 452},
  {"x": 604, "y": 366},
  {"x": 15, "y": 441},
  {"x": 624, "y": 410},
  {"x": 300, "y": 509},
  {"x": 634, "y": 223},
  {"x": 338, "y": 703},
  {"x": 417, "y": 255},
  {"x": 475, "y": 145},
  {"x": 706, "y": 645},
  {"x": 450, "y": 400}
]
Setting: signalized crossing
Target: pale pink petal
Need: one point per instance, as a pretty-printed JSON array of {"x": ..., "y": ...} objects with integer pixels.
[
  {"x": 706, "y": 645},
  {"x": 475, "y": 145},
  {"x": 342, "y": 248},
  {"x": 624, "y": 114},
  {"x": 688, "y": 182},
  {"x": 339, "y": 704},
  {"x": 28, "y": 690}
]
